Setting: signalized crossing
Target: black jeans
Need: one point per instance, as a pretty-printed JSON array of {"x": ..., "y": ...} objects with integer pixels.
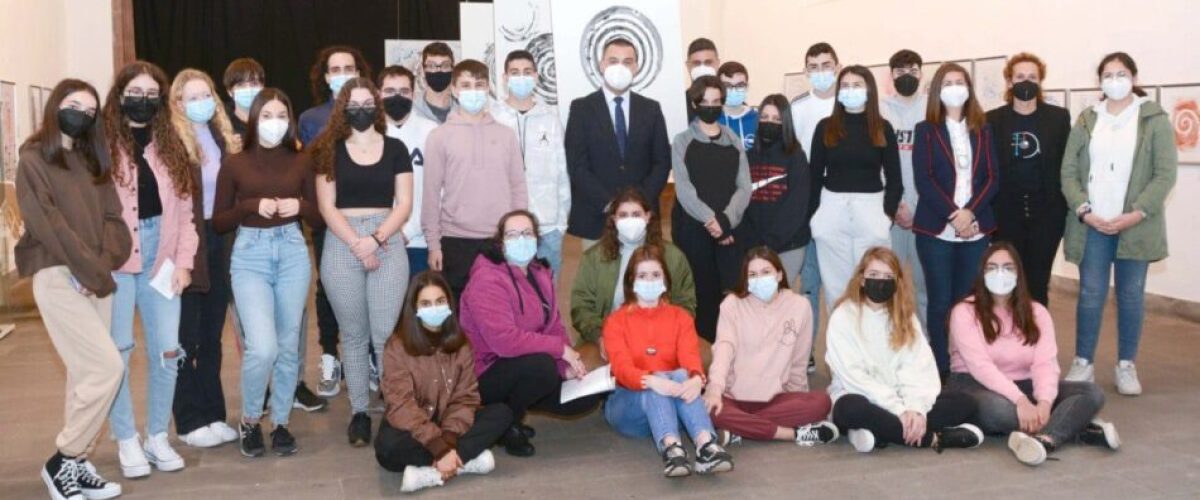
[
  {"x": 327, "y": 323},
  {"x": 854, "y": 411},
  {"x": 199, "y": 399},
  {"x": 715, "y": 268},
  {"x": 458, "y": 255},
  {"x": 530, "y": 382},
  {"x": 1034, "y": 224},
  {"x": 396, "y": 449}
]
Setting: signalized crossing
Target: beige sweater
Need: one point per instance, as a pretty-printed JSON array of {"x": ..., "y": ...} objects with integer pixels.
[{"x": 762, "y": 348}]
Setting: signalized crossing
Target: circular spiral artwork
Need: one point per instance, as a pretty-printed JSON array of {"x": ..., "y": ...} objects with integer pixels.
[
  {"x": 630, "y": 24},
  {"x": 1186, "y": 122},
  {"x": 542, "y": 48}
]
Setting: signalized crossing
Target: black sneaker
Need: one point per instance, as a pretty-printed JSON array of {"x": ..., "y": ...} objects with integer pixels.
[
  {"x": 61, "y": 475},
  {"x": 307, "y": 401},
  {"x": 251, "y": 440},
  {"x": 282, "y": 441},
  {"x": 528, "y": 431},
  {"x": 675, "y": 462},
  {"x": 822, "y": 432},
  {"x": 516, "y": 443},
  {"x": 1100, "y": 433},
  {"x": 712, "y": 458},
  {"x": 959, "y": 436},
  {"x": 359, "y": 431},
  {"x": 92, "y": 485}
]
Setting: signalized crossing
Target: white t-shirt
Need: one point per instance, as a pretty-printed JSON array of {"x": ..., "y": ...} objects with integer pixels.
[
  {"x": 807, "y": 111},
  {"x": 413, "y": 134},
  {"x": 960, "y": 145},
  {"x": 1111, "y": 149}
]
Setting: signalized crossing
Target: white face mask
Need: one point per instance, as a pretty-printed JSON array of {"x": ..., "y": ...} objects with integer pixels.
[
  {"x": 703, "y": 70},
  {"x": 1000, "y": 281},
  {"x": 954, "y": 96},
  {"x": 1117, "y": 88},
  {"x": 271, "y": 131},
  {"x": 631, "y": 230},
  {"x": 618, "y": 77}
]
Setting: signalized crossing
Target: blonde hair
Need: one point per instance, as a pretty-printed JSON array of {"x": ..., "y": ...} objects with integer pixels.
[
  {"x": 183, "y": 126},
  {"x": 900, "y": 307}
]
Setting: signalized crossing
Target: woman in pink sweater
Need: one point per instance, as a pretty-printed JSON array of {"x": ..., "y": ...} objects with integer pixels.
[
  {"x": 1003, "y": 353},
  {"x": 758, "y": 381}
]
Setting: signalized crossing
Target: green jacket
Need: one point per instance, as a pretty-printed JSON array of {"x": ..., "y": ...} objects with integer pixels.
[
  {"x": 592, "y": 293},
  {"x": 1154, "y": 164}
]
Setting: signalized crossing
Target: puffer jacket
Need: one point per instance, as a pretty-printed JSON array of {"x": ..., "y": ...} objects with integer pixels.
[{"x": 540, "y": 133}]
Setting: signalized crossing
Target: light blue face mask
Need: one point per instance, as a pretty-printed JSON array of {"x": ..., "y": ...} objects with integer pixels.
[
  {"x": 520, "y": 250},
  {"x": 472, "y": 101},
  {"x": 434, "y": 316},
  {"x": 337, "y": 81},
  {"x": 853, "y": 98},
  {"x": 763, "y": 287},
  {"x": 735, "y": 97},
  {"x": 521, "y": 87},
  {"x": 200, "y": 111},
  {"x": 649, "y": 291},
  {"x": 244, "y": 97},
  {"x": 822, "y": 80}
]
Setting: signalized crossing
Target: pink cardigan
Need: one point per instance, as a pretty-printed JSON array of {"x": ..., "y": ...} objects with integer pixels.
[
  {"x": 999, "y": 364},
  {"x": 177, "y": 238}
]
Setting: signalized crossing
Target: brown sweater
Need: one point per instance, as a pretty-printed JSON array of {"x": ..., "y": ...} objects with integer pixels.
[
  {"x": 433, "y": 397},
  {"x": 248, "y": 177},
  {"x": 69, "y": 221}
]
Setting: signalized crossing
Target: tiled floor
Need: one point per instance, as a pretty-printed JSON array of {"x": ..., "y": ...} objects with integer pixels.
[{"x": 584, "y": 459}]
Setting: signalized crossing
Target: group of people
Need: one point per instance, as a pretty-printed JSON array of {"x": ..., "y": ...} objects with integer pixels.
[{"x": 929, "y": 225}]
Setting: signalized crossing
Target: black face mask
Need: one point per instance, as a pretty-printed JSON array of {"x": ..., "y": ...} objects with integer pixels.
[
  {"x": 438, "y": 80},
  {"x": 906, "y": 85},
  {"x": 74, "y": 123},
  {"x": 769, "y": 132},
  {"x": 397, "y": 107},
  {"x": 140, "y": 109},
  {"x": 708, "y": 114},
  {"x": 362, "y": 118},
  {"x": 879, "y": 290},
  {"x": 1025, "y": 91}
]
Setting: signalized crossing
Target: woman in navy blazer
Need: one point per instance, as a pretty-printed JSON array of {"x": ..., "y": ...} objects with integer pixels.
[{"x": 956, "y": 174}]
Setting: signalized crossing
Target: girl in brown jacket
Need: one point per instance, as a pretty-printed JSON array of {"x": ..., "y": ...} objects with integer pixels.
[{"x": 435, "y": 426}]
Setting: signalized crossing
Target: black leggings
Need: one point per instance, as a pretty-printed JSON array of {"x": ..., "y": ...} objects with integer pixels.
[
  {"x": 530, "y": 382},
  {"x": 715, "y": 268},
  {"x": 396, "y": 449},
  {"x": 854, "y": 411},
  {"x": 199, "y": 399}
]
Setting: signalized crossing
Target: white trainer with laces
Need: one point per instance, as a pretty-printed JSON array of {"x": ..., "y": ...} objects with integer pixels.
[
  {"x": 223, "y": 431},
  {"x": 203, "y": 437},
  {"x": 92, "y": 485},
  {"x": 419, "y": 478},
  {"x": 1082, "y": 370},
  {"x": 1027, "y": 449},
  {"x": 132, "y": 458},
  {"x": 160, "y": 453},
  {"x": 331, "y": 376},
  {"x": 1127, "y": 379},
  {"x": 482, "y": 464}
]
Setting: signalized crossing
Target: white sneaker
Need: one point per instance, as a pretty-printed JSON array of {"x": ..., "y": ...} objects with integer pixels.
[
  {"x": 1127, "y": 379},
  {"x": 482, "y": 464},
  {"x": 1026, "y": 448},
  {"x": 419, "y": 478},
  {"x": 160, "y": 453},
  {"x": 203, "y": 437},
  {"x": 331, "y": 376},
  {"x": 1081, "y": 371},
  {"x": 862, "y": 439},
  {"x": 223, "y": 431},
  {"x": 92, "y": 485},
  {"x": 132, "y": 458}
]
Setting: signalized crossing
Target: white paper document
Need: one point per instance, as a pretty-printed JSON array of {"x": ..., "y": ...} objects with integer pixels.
[
  {"x": 595, "y": 382},
  {"x": 162, "y": 281}
]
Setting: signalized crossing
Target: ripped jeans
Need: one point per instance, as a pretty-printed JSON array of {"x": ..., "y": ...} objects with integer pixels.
[{"x": 160, "y": 327}]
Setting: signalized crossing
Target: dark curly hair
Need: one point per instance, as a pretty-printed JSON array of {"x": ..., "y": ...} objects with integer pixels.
[
  {"x": 324, "y": 148},
  {"x": 171, "y": 149}
]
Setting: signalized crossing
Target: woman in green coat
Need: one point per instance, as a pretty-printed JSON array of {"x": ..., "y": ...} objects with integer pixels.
[
  {"x": 1118, "y": 224},
  {"x": 630, "y": 222}
]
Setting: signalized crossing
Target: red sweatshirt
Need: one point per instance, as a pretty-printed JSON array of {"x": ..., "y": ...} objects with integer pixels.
[{"x": 641, "y": 341}]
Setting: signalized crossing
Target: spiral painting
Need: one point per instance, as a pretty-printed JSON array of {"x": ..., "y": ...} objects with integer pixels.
[
  {"x": 525, "y": 25},
  {"x": 620, "y": 21},
  {"x": 1182, "y": 102}
]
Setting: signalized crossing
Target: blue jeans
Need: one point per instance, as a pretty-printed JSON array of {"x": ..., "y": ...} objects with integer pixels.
[
  {"x": 646, "y": 413},
  {"x": 950, "y": 272},
  {"x": 270, "y": 273},
  {"x": 1099, "y": 260},
  {"x": 810, "y": 285},
  {"x": 550, "y": 248},
  {"x": 160, "y": 325}
]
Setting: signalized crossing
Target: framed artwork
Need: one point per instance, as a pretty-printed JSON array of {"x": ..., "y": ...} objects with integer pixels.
[
  {"x": 11, "y": 225},
  {"x": 989, "y": 81},
  {"x": 35, "y": 107},
  {"x": 883, "y": 80},
  {"x": 525, "y": 25},
  {"x": 1057, "y": 97},
  {"x": 1081, "y": 99},
  {"x": 927, "y": 71},
  {"x": 795, "y": 85},
  {"x": 1182, "y": 104}
]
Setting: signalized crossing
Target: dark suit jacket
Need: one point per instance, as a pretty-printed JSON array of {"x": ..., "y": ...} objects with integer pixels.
[
  {"x": 934, "y": 175},
  {"x": 595, "y": 165},
  {"x": 1052, "y": 128}
]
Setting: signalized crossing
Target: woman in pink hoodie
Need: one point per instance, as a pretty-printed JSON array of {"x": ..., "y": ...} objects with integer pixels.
[
  {"x": 510, "y": 314},
  {"x": 1003, "y": 354}
]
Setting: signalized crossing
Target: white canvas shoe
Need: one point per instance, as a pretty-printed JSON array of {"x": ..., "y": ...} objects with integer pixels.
[
  {"x": 92, "y": 485},
  {"x": 203, "y": 437},
  {"x": 132, "y": 458},
  {"x": 862, "y": 439},
  {"x": 160, "y": 453},
  {"x": 419, "y": 478},
  {"x": 482, "y": 464},
  {"x": 1127, "y": 379},
  {"x": 1081, "y": 371},
  {"x": 223, "y": 431},
  {"x": 1026, "y": 448}
]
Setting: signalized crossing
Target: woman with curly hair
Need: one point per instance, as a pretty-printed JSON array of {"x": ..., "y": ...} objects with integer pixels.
[{"x": 154, "y": 180}]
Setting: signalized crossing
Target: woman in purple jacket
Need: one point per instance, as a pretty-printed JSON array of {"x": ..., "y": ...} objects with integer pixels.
[{"x": 510, "y": 314}]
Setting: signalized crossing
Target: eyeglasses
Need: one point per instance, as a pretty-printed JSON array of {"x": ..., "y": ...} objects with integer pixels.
[
  {"x": 138, "y": 93},
  {"x": 735, "y": 86},
  {"x": 391, "y": 91},
  {"x": 512, "y": 235},
  {"x": 433, "y": 68},
  {"x": 356, "y": 106}
]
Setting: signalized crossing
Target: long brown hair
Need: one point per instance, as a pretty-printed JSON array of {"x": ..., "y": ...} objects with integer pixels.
[
  {"x": 324, "y": 148},
  {"x": 316, "y": 74},
  {"x": 421, "y": 341},
  {"x": 171, "y": 150},
  {"x": 1019, "y": 301},
  {"x": 49, "y": 138},
  {"x": 183, "y": 126},
  {"x": 642, "y": 254},
  {"x": 764, "y": 253},
  {"x": 610, "y": 241},
  {"x": 264, "y": 97},
  {"x": 901, "y": 310},
  {"x": 935, "y": 111},
  {"x": 835, "y": 128}
]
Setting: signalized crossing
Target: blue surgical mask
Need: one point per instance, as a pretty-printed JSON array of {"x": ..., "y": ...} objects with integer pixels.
[
  {"x": 521, "y": 86},
  {"x": 735, "y": 97},
  {"x": 244, "y": 97},
  {"x": 472, "y": 101},
  {"x": 200, "y": 111},
  {"x": 822, "y": 80},
  {"x": 763, "y": 287},
  {"x": 649, "y": 291},
  {"x": 520, "y": 250},
  {"x": 434, "y": 316},
  {"x": 336, "y": 82},
  {"x": 853, "y": 98}
]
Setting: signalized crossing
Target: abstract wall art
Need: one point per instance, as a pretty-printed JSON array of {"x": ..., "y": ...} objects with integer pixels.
[
  {"x": 1182, "y": 104},
  {"x": 526, "y": 25}
]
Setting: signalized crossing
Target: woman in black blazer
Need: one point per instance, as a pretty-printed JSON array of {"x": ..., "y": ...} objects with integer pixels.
[{"x": 954, "y": 170}]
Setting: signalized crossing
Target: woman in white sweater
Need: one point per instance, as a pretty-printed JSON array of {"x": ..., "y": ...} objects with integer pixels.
[{"x": 885, "y": 386}]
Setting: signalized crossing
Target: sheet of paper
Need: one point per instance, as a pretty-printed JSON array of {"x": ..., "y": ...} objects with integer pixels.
[
  {"x": 596, "y": 381},
  {"x": 162, "y": 281}
]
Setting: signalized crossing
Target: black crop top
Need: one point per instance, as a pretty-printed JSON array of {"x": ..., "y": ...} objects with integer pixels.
[{"x": 370, "y": 186}]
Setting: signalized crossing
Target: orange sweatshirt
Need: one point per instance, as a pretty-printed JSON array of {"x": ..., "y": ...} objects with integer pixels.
[{"x": 640, "y": 341}]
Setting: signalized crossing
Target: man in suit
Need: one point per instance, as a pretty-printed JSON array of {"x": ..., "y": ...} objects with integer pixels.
[{"x": 614, "y": 138}]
